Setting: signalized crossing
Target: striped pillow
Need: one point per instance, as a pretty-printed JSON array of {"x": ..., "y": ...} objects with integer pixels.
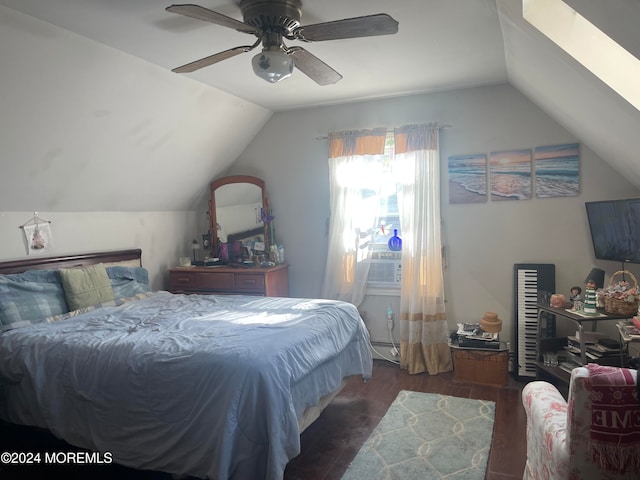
[{"x": 29, "y": 297}]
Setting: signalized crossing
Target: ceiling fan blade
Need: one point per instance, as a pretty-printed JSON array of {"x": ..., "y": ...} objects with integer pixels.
[
  {"x": 313, "y": 67},
  {"x": 367, "y": 26},
  {"x": 201, "y": 13},
  {"x": 210, "y": 60}
]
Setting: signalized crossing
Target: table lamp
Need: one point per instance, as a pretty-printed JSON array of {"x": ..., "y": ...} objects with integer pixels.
[{"x": 596, "y": 275}]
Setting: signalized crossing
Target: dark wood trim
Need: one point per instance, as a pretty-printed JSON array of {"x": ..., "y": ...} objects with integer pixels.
[
  {"x": 66, "y": 261},
  {"x": 213, "y": 221}
]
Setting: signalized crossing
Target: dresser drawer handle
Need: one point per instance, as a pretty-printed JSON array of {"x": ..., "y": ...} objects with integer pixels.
[
  {"x": 183, "y": 280},
  {"x": 249, "y": 282}
]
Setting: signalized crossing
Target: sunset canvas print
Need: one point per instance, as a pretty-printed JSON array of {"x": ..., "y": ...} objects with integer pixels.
[
  {"x": 510, "y": 175},
  {"x": 557, "y": 170},
  {"x": 468, "y": 178}
]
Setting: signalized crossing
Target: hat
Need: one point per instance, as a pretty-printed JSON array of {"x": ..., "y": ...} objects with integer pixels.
[{"x": 490, "y": 322}]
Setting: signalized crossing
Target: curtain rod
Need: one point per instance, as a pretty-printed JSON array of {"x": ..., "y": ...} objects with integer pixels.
[{"x": 446, "y": 125}]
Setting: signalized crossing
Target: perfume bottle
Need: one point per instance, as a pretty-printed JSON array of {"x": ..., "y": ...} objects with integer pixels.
[{"x": 395, "y": 242}]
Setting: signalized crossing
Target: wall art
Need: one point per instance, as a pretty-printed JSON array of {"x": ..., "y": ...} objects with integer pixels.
[
  {"x": 468, "y": 178},
  {"x": 510, "y": 173},
  {"x": 557, "y": 169},
  {"x": 37, "y": 237}
]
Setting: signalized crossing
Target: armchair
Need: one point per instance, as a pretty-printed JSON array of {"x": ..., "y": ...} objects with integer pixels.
[{"x": 593, "y": 435}]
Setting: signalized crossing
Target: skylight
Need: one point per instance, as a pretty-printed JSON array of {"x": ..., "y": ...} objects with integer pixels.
[{"x": 586, "y": 43}]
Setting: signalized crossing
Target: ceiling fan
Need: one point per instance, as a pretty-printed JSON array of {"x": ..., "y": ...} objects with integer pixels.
[{"x": 272, "y": 21}]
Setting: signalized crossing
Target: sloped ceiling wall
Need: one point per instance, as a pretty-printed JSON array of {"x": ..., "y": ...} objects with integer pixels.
[
  {"x": 567, "y": 91},
  {"x": 88, "y": 128}
]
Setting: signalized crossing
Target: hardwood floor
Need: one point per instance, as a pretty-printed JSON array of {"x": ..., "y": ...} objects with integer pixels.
[{"x": 332, "y": 441}]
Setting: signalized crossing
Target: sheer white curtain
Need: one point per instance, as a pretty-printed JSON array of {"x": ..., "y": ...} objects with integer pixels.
[
  {"x": 345, "y": 276},
  {"x": 423, "y": 325}
]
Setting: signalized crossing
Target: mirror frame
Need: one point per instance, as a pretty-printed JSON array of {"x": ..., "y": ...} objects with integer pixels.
[{"x": 231, "y": 179}]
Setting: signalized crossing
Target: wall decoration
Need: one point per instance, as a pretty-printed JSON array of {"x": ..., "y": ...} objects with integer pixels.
[
  {"x": 37, "y": 235},
  {"x": 468, "y": 178},
  {"x": 510, "y": 173},
  {"x": 557, "y": 170}
]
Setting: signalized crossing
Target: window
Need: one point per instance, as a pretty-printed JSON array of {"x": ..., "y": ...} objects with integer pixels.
[{"x": 379, "y": 217}]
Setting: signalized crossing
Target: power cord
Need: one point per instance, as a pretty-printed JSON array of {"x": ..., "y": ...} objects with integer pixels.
[
  {"x": 394, "y": 351},
  {"x": 382, "y": 355}
]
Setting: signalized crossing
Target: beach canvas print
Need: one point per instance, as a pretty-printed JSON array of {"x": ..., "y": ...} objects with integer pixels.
[
  {"x": 468, "y": 178},
  {"x": 557, "y": 170},
  {"x": 510, "y": 175}
]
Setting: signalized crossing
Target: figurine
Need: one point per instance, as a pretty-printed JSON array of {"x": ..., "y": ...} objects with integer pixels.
[
  {"x": 575, "y": 301},
  {"x": 575, "y": 294}
]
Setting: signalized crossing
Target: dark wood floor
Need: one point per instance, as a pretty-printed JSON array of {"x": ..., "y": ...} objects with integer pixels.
[{"x": 331, "y": 442}]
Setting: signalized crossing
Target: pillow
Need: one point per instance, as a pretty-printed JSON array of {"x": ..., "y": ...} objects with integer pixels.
[
  {"x": 123, "y": 263},
  {"x": 111, "y": 303},
  {"x": 86, "y": 286},
  {"x": 29, "y": 297},
  {"x": 128, "y": 281}
]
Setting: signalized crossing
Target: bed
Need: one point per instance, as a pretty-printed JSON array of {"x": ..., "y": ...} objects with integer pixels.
[{"x": 208, "y": 386}]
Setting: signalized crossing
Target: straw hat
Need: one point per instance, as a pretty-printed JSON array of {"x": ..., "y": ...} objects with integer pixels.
[{"x": 490, "y": 322}]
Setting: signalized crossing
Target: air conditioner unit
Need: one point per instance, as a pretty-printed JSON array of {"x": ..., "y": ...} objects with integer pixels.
[{"x": 384, "y": 273}]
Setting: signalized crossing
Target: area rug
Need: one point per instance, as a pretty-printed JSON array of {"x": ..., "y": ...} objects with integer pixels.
[{"x": 427, "y": 436}]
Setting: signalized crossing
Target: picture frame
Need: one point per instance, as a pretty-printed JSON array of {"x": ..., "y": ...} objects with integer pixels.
[
  {"x": 467, "y": 178},
  {"x": 510, "y": 172},
  {"x": 557, "y": 170}
]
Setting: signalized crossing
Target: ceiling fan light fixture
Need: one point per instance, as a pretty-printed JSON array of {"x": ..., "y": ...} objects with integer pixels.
[{"x": 272, "y": 65}]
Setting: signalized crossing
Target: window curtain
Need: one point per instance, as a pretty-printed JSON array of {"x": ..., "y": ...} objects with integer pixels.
[
  {"x": 345, "y": 276},
  {"x": 423, "y": 325}
]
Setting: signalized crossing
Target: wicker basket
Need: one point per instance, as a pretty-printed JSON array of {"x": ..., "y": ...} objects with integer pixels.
[
  {"x": 617, "y": 306},
  {"x": 489, "y": 367}
]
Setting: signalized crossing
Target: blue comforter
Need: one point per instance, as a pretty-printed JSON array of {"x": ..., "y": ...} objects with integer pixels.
[{"x": 208, "y": 386}]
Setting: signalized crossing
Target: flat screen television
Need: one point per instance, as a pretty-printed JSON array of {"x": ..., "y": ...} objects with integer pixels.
[{"x": 615, "y": 229}]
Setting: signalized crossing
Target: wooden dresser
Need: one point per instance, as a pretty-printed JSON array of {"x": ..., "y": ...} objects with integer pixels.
[{"x": 268, "y": 282}]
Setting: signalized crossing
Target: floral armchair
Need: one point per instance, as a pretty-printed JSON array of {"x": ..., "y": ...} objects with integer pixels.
[{"x": 595, "y": 435}]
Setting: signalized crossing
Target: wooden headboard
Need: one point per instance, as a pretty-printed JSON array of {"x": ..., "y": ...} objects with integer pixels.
[{"x": 66, "y": 261}]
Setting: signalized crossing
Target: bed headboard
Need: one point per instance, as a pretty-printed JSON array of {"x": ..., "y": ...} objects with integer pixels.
[{"x": 66, "y": 261}]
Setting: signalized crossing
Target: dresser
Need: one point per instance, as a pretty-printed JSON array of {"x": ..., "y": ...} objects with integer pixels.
[{"x": 268, "y": 282}]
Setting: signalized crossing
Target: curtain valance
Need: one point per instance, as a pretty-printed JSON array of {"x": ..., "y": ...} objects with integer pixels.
[{"x": 357, "y": 142}]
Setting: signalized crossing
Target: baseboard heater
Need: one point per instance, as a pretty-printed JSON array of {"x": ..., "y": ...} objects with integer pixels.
[
  {"x": 383, "y": 350},
  {"x": 383, "y": 345}
]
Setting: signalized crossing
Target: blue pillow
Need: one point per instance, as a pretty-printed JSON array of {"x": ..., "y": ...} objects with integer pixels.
[
  {"x": 128, "y": 281},
  {"x": 30, "y": 297}
]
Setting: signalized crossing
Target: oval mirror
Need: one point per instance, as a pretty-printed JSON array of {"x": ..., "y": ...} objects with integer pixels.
[{"x": 235, "y": 211}]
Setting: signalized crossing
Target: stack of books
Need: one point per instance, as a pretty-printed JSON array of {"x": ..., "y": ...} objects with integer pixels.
[
  {"x": 598, "y": 349},
  {"x": 629, "y": 329},
  {"x": 470, "y": 335}
]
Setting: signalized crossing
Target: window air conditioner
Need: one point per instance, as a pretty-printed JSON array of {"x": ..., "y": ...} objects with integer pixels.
[{"x": 384, "y": 273}]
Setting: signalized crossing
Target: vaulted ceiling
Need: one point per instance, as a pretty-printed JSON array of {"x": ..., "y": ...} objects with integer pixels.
[{"x": 440, "y": 45}]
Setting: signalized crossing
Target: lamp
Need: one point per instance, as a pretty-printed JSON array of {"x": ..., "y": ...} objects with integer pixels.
[
  {"x": 596, "y": 275},
  {"x": 272, "y": 64},
  {"x": 194, "y": 246}
]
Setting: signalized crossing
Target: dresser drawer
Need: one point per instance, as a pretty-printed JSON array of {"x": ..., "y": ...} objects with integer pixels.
[
  {"x": 245, "y": 282},
  {"x": 215, "y": 281},
  {"x": 180, "y": 281},
  {"x": 270, "y": 282}
]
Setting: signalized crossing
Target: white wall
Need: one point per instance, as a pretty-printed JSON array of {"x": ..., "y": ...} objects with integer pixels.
[
  {"x": 115, "y": 151},
  {"x": 84, "y": 127},
  {"x": 162, "y": 236},
  {"x": 483, "y": 241}
]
